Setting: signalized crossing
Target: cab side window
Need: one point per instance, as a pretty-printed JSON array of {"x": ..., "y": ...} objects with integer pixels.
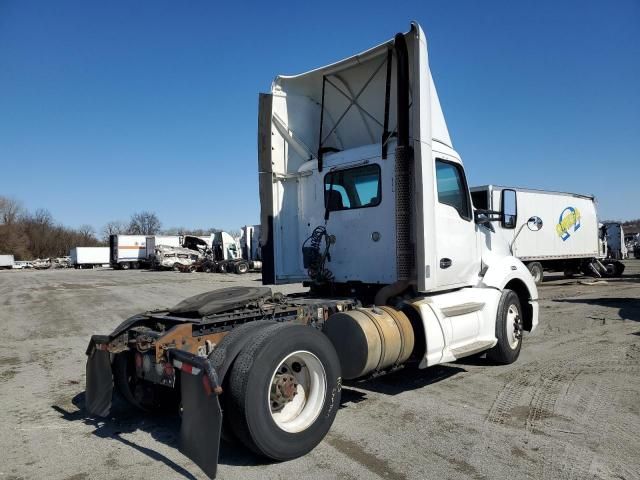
[
  {"x": 452, "y": 187},
  {"x": 349, "y": 188}
]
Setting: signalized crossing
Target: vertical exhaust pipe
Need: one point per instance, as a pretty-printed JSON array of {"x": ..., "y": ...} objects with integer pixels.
[{"x": 404, "y": 157}]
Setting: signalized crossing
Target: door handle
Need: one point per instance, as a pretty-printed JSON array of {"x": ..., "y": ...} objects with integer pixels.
[{"x": 445, "y": 262}]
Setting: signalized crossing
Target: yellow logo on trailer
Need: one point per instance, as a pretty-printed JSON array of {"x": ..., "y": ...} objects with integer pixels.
[{"x": 569, "y": 219}]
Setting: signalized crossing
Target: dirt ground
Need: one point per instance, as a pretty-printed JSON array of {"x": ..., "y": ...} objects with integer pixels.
[{"x": 569, "y": 408}]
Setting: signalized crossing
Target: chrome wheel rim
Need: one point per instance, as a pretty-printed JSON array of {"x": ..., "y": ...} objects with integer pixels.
[
  {"x": 514, "y": 326},
  {"x": 297, "y": 391}
]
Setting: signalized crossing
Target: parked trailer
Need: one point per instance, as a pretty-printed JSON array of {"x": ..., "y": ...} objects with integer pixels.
[
  {"x": 128, "y": 251},
  {"x": 7, "y": 261},
  {"x": 572, "y": 244},
  {"x": 89, "y": 257},
  {"x": 376, "y": 218}
]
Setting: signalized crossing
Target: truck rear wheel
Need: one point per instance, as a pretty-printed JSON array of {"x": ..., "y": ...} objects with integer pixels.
[
  {"x": 536, "y": 272},
  {"x": 508, "y": 329},
  {"x": 124, "y": 266},
  {"x": 242, "y": 267},
  {"x": 284, "y": 391}
]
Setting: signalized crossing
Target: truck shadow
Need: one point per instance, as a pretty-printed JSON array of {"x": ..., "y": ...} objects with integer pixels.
[
  {"x": 405, "y": 379},
  {"x": 164, "y": 428},
  {"x": 629, "y": 308}
]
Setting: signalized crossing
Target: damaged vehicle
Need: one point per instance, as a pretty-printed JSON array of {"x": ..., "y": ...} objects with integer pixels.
[
  {"x": 364, "y": 199},
  {"x": 174, "y": 258}
]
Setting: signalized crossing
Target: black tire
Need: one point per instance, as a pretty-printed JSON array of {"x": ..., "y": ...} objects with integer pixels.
[
  {"x": 124, "y": 266},
  {"x": 242, "y": 267},
  {"x": 175, "y": 267},
  {"x": 249, "y": 402},
  {"x": 614, "y": 268},
  {"x": 222, "y": 268},
  {"x": 504, "y": 353},
  {"x": 536, "y": 272}
]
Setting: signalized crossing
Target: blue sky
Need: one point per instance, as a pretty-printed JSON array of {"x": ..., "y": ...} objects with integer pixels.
[{"x": 102, "y": 103}]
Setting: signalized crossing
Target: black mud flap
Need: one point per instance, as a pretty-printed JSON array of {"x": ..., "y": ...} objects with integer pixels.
[
  {"x": 99, "y": 388},
  {"x": 201, "y": 412}
]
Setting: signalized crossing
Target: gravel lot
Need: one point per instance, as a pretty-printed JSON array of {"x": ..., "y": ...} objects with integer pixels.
[{"x": 569, "y": 408}]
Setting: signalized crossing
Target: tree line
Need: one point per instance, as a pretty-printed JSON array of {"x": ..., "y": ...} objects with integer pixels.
[{"x": 30, "y": 235}]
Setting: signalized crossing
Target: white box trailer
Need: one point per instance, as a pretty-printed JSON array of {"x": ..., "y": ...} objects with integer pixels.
[
  {"x": 128, "y": 251},
  {"x": 570, "y": 240},
  {"x": 7, "y": 261},
  {"x": 89, "y": 257}
]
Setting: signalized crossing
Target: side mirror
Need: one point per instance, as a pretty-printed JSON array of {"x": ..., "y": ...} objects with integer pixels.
[
  {"x": 509, "y": 208},
  {"x": 534, "y": 224}
]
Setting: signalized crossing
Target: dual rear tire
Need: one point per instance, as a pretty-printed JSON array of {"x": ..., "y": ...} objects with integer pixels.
[{"x": 283, "y": 391}]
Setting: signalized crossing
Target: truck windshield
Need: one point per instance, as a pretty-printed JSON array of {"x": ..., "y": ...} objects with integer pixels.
[{"x": 351, "y": 188}]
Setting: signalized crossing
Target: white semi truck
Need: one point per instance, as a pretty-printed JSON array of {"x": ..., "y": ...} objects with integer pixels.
[
  {"x": 364, "y": 199},
  {"x": 89, "y": 257},
  {"x": 573, "y": 242},
  {"x": 250, "y": 246},
  {"x": 616, "y": 246}
]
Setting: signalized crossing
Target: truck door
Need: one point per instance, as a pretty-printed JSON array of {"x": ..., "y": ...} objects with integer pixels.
[
  {"x": 360, "y": 203},
  {"x": 458, "y": 262}
]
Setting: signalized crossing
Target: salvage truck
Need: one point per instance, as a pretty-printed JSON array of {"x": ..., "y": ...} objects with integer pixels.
[
  {"x": 364, "y": 199},
  {"x": 574, "y": 242}
]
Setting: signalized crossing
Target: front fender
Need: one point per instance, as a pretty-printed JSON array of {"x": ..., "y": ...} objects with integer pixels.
[{"x": 509, "y": 272}]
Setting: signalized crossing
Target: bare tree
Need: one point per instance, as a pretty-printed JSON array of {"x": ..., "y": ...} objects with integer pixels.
[
  {"x": 87, "y": 233},
  {"x": 144, "y": 223},
  {"x": 10, "y": 210},
  {"x": 115, "y": 227}
]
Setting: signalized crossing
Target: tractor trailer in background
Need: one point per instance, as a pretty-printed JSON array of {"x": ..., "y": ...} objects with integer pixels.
[
  {"x": 89, "y": 257},
  {"x": 364, "y": 199},
  {"x": 572, "y": 241},
  {"x": 128, "y": 251}
]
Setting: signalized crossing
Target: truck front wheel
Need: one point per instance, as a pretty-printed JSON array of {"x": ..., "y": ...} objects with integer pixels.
[
  {"x": 284, "y": 391},
  {"x": 508, "y": 329}
]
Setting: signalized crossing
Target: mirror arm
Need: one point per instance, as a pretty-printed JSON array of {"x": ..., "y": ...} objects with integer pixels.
[
  {"x": 515, "y": 237},
  {"x": 489, "y": 215}
]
